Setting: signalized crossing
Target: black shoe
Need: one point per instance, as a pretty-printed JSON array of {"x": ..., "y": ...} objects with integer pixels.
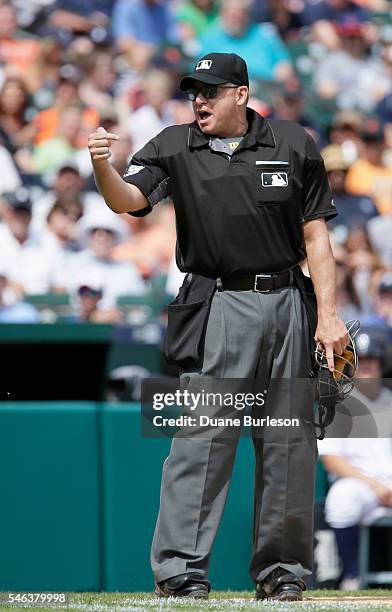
[
  {"x": 280, "y": 585},
  {"x": 185, "y": 585}
]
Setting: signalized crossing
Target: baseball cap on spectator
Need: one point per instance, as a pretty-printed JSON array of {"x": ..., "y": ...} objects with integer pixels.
[
  {"x": 102, "y": 218},
  {"x": 350, "y": 25},
  {"x": 347, "y": 119},
  {"x": 18, "y": 199},
  {"x": 334, "y": 158},
  {"x": 94, "y": 291},
  {"x": 386, "y": 283},
  {"x": 216, "y": 69},
  {"x": 89, "y": 282},
  {"x": 68, "y": 167},
  {"x": 370, "y": 342},
  {"x": 70, "y": 72}
]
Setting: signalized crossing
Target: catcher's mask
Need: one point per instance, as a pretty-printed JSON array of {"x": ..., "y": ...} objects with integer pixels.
[{"x": 333, "y": 387}]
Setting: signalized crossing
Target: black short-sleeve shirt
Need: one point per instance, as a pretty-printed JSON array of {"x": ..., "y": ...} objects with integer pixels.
[{"x": 241, "y": 213}]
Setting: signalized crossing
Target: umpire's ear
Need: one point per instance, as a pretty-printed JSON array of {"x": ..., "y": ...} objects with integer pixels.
[{"x": 242, "y": 95}]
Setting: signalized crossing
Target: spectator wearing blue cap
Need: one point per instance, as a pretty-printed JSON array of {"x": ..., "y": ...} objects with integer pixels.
[
  {"x": 361, "y": 467},
  {"x": 322, "y": 15}
]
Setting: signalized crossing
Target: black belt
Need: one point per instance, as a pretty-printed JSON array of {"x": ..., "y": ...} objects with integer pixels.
[{"x": 262, "y": 283}]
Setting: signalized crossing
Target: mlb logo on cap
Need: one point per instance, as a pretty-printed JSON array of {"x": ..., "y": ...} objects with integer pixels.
[
  {"x": 204, "y": 65},
  {"x": 216, "y": 69},
  {"x": 274, "y": 179}
]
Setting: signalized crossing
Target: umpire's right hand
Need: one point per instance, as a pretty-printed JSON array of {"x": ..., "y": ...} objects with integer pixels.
[{"x": 99, "y": 143}]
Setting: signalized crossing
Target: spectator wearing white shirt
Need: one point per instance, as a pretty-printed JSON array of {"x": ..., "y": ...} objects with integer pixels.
[
  {"x": 28, "y": 263},
  {"x": 100, "y": 230},
  {"x": 361, "y": 466},
  {"x": 157, "y": 112},
  {"x": 9, "y": 177}
]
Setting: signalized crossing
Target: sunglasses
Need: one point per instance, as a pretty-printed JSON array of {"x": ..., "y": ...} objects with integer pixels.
[{"x": 208, "y": 91}]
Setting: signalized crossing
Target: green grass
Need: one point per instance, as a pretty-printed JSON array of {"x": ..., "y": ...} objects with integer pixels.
[{"x": 224, "y": 600}]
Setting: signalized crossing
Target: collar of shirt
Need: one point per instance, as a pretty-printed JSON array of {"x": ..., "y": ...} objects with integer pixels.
[{"x": 259, "y": 131}]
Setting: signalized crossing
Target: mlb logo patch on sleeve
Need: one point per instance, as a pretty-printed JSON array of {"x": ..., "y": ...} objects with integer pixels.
[
  {"x": 133, "y": 169},
  {"x": 274, "y": 179}
]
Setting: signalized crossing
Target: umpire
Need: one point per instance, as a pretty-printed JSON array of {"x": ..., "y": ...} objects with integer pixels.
[{"x": 251, "y": 199}]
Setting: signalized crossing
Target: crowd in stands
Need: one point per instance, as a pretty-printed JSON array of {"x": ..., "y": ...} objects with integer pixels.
[{"x": 67, "y": 67}]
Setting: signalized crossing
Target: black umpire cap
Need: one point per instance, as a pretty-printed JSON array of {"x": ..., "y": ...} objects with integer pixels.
[{"x": 216, "y": 69}]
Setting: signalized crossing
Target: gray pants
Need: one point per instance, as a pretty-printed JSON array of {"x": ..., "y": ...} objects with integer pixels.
[{"x": 249, "y": 336}]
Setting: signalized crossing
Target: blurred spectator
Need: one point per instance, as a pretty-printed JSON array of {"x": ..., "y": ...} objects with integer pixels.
[
  {"x": 383, "y": 110},
  {"x": 15, "y": 223},
  {"x": 28, "y": 266},
  {"x": 350, "y": 74},
  {"x": 289, "y": 105},
  {"x": 46, "y": 122},
  {"x": 87, "y": 306},
  {"x": 96, "y": 90},
  {"x": 141, "y": 26},
  {"x": 68, "y": 185},
  {"x": 18, "y": 48},
  {"x": 195, "y": 16},
  {"x": 15, "y": 131},
  {"x": 12, "y": 309},
  {"x": 380, "y": 232},
  {"x": 60, "y": 233},
  {"x": 345, "y": 130},
  {"x": 151, "y": 246},
  {"x": 32, "y": 14},
  {"x": 360, "y": 467},
  {"x": 348, "y": 303},
  {"x": 44, "y": 74},
  {"x": 100, "y": 230},
  {"x": 364, "y": 263},
  {"x": 9, "y": 176},
  {"x": 322, "y": 16},
  {"x": 286, "y": 15},
  {"x": 157, "y": 112},
  {"x": 369, "y": 174},
  {"x": 51, "y": 153},
  {"x": 259, "y": 44},
  {"x": 383, "y": 299},
  {"x": 353, "y": 210},
  {"x": 87, "y": 17}
]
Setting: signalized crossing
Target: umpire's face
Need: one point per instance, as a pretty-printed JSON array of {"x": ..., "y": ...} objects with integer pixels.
[{"x": 222, "y": 114}]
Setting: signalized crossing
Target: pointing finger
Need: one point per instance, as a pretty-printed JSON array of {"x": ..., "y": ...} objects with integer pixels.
[{"x": 108, "y": 135}]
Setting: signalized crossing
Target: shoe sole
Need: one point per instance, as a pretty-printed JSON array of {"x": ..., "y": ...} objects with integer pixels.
[
  {"x": 285, "y": 596},
  {"x": 193, "y": 595}
]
